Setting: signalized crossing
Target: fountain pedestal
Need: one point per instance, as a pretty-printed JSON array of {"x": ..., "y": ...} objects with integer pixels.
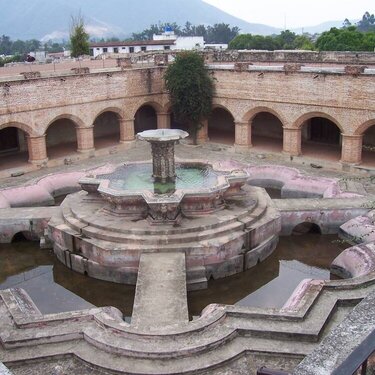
[
  {"x": 163, "y": 165},
  {"x": 162, "y": 148}
]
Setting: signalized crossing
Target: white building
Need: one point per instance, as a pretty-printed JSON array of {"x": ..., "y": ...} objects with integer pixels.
[
  {"x": 97, "y": 49},
  {"x": 166, "y": 41}
]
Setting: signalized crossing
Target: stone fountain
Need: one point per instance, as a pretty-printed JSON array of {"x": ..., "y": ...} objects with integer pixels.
[{"x": 202, "y": 209}]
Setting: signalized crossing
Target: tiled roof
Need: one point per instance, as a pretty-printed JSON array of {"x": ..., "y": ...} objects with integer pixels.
[{"x": 168, "y": 42}]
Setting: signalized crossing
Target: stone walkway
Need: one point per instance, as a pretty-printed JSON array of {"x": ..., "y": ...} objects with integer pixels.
[{"x": 160, "y": 297}]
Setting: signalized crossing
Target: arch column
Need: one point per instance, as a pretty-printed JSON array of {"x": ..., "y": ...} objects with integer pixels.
[
  {"x": 292, "y": 141},
  {"x": 126, "y": 130},
  {"x": 202, "y": 133},
  {"x": 37, "y": 148},
  {"x": 163, "y": 120},
  {"x": 351, "y": 149},
  {"x": 242, "y": 135},
  {"x": 85, "y": 139}
]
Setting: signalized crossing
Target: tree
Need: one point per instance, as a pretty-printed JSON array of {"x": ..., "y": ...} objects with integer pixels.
[
  {"x": 221, "y": 33},
  {"x": 190, "y": 89},
  {"x": 79, "y": 39},
  {"x": 367, "y": 23},
  {"x": 348, "y": 39}
]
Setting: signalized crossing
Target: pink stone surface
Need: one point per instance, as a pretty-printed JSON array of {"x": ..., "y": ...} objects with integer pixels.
[
  {"x": 361, "y": 228},
  {"x": 3, "y": 202},
  {"x": 59, "y": 181},
  {"x": 295, "y": 301},
  {"x": 42, "y": 190},
  {"x": 292, "y": 179},
  {"x": 26, "y": 195},
  {"x": 357, "y": 260}
]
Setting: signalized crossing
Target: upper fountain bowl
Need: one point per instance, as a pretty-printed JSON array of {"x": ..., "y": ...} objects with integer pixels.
[{"x": 162, "y": 135}]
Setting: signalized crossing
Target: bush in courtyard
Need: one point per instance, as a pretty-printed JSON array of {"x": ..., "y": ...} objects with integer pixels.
[{"x": 191, "y": 90}]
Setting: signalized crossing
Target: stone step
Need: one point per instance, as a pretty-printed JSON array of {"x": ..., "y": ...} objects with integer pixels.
[{"x": 72, "y": 209}]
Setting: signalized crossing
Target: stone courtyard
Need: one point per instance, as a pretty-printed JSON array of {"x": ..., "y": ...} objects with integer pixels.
[{"x": 304, "y": 130}]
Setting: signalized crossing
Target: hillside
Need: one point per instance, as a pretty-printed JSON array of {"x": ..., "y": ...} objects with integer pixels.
[{"x": 45, "y": 19}]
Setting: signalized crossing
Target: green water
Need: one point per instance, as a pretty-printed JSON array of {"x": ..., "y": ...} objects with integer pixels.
[
  {"x": 55, "y": 288},
  {"x": 138, "y": 177}
]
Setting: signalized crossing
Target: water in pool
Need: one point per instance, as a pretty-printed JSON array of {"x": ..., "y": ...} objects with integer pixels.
[{"x": 55, "y": 288}]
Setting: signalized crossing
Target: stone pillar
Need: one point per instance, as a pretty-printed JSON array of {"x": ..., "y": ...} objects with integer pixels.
[
  {"x": 85, "y": 139},
  {"x": 202, "y": 134},
  {"x": 126, "y": 130},
  {"x": 242, "y": 135},
  {"x": 37, "y": 150},
  {"x": 163, "y": 161},
  {"x": 163, "y": 120},
  {"x": 292, "y": 141},
  {"x": 351, "y": 149}
]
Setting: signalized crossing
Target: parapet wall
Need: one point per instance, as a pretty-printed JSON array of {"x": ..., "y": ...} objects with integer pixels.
[{"x": 292, "y": 56}]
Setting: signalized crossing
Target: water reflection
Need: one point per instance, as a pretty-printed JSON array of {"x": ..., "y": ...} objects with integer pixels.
[
  {"x": 52, "y": 286},
  {"x": 271, "y": 282},
  {"x": 55, "y": 288}
]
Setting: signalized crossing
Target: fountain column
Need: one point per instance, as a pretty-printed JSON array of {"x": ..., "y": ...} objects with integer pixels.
[
  {"x": 162, "y": 148},
  {"x": 163, "y": 165}
]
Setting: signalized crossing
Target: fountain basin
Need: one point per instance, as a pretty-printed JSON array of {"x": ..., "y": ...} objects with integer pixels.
[{"x": 200, "y": 188}]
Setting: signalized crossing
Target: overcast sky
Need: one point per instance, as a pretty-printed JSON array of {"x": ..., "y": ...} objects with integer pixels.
[{"x": 295, "y": 13}]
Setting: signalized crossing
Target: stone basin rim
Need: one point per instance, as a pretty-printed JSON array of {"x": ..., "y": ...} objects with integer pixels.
[{"x": 162, "y": 135}]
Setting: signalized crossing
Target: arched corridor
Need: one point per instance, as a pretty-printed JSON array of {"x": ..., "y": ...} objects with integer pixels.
[
  {"x": 221, "y": 127},
  {"x": 267, "y": 132},
  {"x": 106, "y": 130},
  {"x": 368, "y": 147},
  {"x": 13, "y": 148},
  {"x": 61, "y": 138},
  {"x": 321, "y": 138},
  {"x": 145, "y": 119}
]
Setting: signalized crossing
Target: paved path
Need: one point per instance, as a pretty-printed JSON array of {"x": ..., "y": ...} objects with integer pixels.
[{"x": 160, "y": 297}]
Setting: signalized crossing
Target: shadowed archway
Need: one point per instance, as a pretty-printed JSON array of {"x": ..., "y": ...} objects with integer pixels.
[
  {"x": 106, "y": 130},
  {"x": 321, "y": 139},
  {"x": 13, "y": 147},
  {"x": 267, "y": 132},
  {"x": 221, "y": 127},
  {"x": 61, "y": 138},
  {"x": 145, "y": 119}
]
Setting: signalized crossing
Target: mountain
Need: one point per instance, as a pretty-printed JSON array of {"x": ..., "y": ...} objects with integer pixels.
[
  {"x": 322, "y": 27},
  {"x": 46, "y": 19}
]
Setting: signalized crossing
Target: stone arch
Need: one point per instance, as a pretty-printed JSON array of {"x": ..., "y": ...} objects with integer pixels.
[
  {"x": 146, "y": 116},
  {"x": 14, "y": 144},
  {"x": 366, "y": 142},
  {"x": 221, "y": 125},
  {"x": 266, "y": 128},
  {"x": 307, "y": 116},
  {"x": 364, "y": 126},
  {"x": 117, "y": 110},
  {"x": 306, "y": 227},
  {"x": 249, "y": 115},
  {"x": 78, "y": 122},
  {"x": 158, "y": 107},
  {"x": 61, "y": 135},
  {"x": 106, "y": 127},
  {"x": 320, "y": 136},
  {"x": 19, "y": 125}
]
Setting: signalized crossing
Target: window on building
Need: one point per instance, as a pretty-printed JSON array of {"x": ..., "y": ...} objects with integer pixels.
[
  {"x": 98, "y": 49},
  {"x": 167, "y": 47},
  {"x": 131, "y": 49},
  {"x": 123, "y": 47},
  {"x": 143, "y": 48},
  {"x": 105, "y": 49},
  {"x": 91, "y": 52},
  {"x": 115, "y": 50}
]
